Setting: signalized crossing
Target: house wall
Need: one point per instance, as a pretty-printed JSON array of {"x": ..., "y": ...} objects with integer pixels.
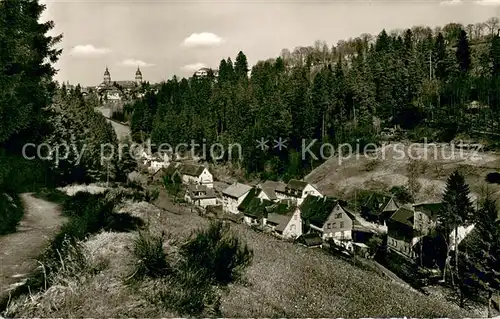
[
  {"x": 422, "y": 223},
  {"x": 263, "y": 195},
  {"x": 400, "y": 246},
  {"x": 310, "y": 190},
  {"x": 207, "y": 201},
  {"x": 231, "y": 204},
  {"x": 294, "y": 227},
  {"x": 338, "y": 225}
]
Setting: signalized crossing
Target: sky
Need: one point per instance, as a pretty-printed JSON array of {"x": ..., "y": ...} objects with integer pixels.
[{"x": 178, "y": 37}]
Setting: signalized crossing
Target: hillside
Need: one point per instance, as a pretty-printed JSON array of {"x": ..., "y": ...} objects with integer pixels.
[
  {"x": 343, "y": 178},
  {"x": 284, "y": 280}
]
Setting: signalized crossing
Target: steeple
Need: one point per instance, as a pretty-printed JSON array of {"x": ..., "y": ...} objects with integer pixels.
[
  {"x": 107, "y": 76},
  {"x": 138, "y": 75}
]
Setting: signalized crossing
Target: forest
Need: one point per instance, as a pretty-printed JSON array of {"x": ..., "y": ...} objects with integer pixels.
[{"x": 433, "y": 83}]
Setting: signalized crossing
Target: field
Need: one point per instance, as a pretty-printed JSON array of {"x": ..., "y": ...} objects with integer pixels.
[
  {"x": 284, "y": 280},
  {"x": 387, "y": 168}
]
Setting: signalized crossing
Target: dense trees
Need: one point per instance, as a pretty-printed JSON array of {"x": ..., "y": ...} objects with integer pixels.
[
  {"x": 26, "y": 69},
  {"x": 413, "y": 78}
]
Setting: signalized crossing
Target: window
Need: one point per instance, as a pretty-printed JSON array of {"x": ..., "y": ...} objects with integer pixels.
[
  {"x": 328, "y": 226},
  {"x": 292, "y": 227},
  {"x": 295, "y": 216},
  {"x": 341, "y": 224},
  {"x": 339, "y": 215}
]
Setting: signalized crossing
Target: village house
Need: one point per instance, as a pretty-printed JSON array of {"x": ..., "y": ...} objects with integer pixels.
[
  {"x": 295, "y": 190},
  {"x": 331, "y": 219},
  {"x": 408, "y": 225},
  {"x": 200, "y": 195},
  {"x": 271, "y": 189},
  {"x": 233, "y": 196},
  {"x": 196, "y": 174},
  {"x": 254, "y": 209},
  {"x": 284, "y": 221},
  {"x": 379, "y": 208}
]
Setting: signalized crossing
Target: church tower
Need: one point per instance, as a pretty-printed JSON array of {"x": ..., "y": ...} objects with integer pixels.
[
  {"x": 138, "y": 76},
  {"x": 107, "y": 76}
]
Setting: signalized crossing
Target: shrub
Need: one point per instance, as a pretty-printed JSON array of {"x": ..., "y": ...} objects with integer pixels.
[
  {"x": 151, "y": 258},
  {"x": 11, "y": 212},
  {"x": 402, "y": 194},
  {"x": 189, "y": 292},
  {"x": 217, "y": 253}
]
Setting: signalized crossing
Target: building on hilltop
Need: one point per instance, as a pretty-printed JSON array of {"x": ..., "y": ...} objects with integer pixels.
[{"x": 114, "y": 91}]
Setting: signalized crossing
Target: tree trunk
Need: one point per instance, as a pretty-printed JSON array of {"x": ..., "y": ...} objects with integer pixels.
[{"x": 490, "y": 296}]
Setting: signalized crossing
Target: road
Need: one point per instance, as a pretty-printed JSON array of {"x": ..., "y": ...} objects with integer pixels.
[
  {"x": 120, "y": 129},
  {"x": 18, "y": 251}
]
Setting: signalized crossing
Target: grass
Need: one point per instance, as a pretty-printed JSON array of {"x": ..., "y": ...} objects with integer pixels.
[{"x": 283, "y": 280}]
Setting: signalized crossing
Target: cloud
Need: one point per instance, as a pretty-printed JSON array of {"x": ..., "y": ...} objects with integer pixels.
[
  {"x": 193, "y": 67},
  {"x": 202, "y": 39},
  {"x": 489, "y": 2},
  {"x": 133, "y": 62},
  {"x": 88, "y": 50},
  {"x": 451, "y": 2}
]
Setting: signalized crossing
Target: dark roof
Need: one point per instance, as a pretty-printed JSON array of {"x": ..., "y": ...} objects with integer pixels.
[
  {"x": 316, "y": 210},
  {"x": 429, "y": 209},
  {"x": 296, "y": 185},
  {"x": 257, "y": 207},
  {"x": 281, "y": 215},
  {"x": 270, "y": 193},
  {"x": 125, "y": 84},
  {"x": 376, "y": 201},
  {"x": 310, "y": 240},
  {"x": 274, "y": 186},
  {"x": 171, "y": 169},
  {"x": 191, "y": 169},
  {"x": 404, "y": 215},
  {"x": 254, "y": 192},
  {"x": 206, "y": 192}
]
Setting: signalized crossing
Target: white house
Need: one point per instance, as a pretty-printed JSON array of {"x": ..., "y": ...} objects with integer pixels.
[
  {"x": 196, "y": 174},
  {"x": 287, "y": 225},
  {"x": 200, "y": 195},
  {"x": 271, "y": 189},
  {"x": 233, "y": 196},
  {"x": 299, "y": 190}
]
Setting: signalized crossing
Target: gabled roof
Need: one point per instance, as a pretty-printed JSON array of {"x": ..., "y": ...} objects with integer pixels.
[
  {"x": 257, "y": 207},
  {"x": 206, "y": 192},
  {"x": 404, "y": 215},
  {"x": 254, "y": 192},
  {"x": 236, "y": 190},
  {"x": 274, "y": 186},
  {"x": 171, "y": 169},
  {"x": 270, "y": 193},
  {"x": 296, "y": 185},
  {"x": 391, "y": 205},
  {"x": 191, "y": 169},
  {"x": 310, "y": 240},
  {"x": 376, "y": 201},
  {"x": 280, "y": 215},
  {"x": 316, "y": 210}
]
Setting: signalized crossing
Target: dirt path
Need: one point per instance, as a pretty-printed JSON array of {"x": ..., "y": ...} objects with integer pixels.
[{"x": 18, "y": 250}]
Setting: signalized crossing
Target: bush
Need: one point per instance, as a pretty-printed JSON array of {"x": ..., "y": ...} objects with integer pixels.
[
  {"x": 52, "y": 195},
  {"x": 217, "y": 253},
  {"x": 11, "y": 212},
  {"x": 151, "y": 258},
  {"x": 402, "y": 194}
]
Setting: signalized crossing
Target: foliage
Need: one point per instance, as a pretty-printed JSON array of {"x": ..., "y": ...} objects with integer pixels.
[
  {"x": 219, "y": 254},
  {"x": 151, "y": 258},
  {"x": 402, "y": 194},
  {"x": 11, "y": 212}
]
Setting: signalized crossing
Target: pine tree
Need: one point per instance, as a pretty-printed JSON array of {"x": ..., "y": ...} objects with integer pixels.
[
  {"x": 456, "y": 209},
  {"x": 463, "y": 52},
  {"x": 481, "y": 253},
  {"x": 241, "y": 66}
]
